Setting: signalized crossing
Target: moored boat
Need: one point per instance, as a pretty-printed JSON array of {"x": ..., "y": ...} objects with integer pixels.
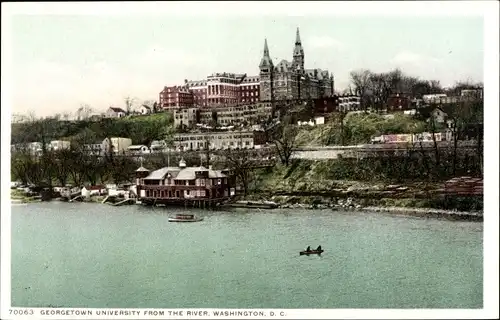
[{"x": 185, "y": 218}]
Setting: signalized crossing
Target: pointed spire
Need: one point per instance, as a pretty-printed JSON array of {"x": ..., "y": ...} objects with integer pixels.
[
  {"x": 266, "y": 61},
  {"x": 266, "y": 49},
  {"x": 297, "y": 37}
]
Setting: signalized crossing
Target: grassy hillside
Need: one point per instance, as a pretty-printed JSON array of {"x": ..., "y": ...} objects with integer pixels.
[
  {"x": 358, "y": 128},
  {"x": 141, "y": 129}
]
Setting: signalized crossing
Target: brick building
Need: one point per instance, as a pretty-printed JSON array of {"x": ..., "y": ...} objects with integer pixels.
[
  {"x": 175, "y": 97},
  {"x": 232, "y": 115},
  {"x": 250, "y": 90},
  {"x": 398, "y": 101},
  {"x": 285, "y": 81}
]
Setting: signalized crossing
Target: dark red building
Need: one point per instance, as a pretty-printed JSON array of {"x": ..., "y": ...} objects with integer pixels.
[
  {"x": 175, "y": 97},
  {"x": 398, "y": 101},
  {"x": 182, "y": 185},
  {"x": 325, "y": 105}
]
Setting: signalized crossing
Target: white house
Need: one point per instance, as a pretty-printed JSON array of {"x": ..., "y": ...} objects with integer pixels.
[
  {"x": 319, "y": 120},
  {"x": 138, "y": 149},
  {"x": 120, "y": 145},
  {"x": 433, "y": 97},
  {"x": 312, "y": 122},
  {"x": 115, "y": 112},
  {"x": 145, "y": 110},
  {"x": 94, "y": 149},
  {"x": 88, "y": 191},
  {"x": 439, "y": 115},
  {"x": 158, "y": 146},
  {"x": 59, "y": 145},
  {"x": 410, "y": 112},
  {"x": 35, "y": 148}
]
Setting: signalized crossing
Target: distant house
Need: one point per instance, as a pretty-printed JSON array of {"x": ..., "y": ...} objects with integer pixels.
[
  {"x": 158, "y": 146},
  {"x": 138, "y": 149},
  {"x": 35, "y": 148},
  {"x": 398, "y": 101},
  {"x": 145, "y": 110},
  {"x": 97, "y": 148},
  {"x": 439, "y": 115},
  {"x": 115, "y": 112},
  {"x": 120, "y": 145},
  {"x": 433, "y": 98},
  {"x": 88, "y": 191},
  {"x": 59, "y": 145},
  {"x": 410, "y": 112}
]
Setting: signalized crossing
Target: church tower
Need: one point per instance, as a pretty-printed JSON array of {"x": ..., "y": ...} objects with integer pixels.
[
  {"x": 266, "y": 75},
  {"x": 298, "y": 54}
]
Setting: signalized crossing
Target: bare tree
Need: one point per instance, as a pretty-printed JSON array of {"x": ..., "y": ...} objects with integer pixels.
[
  {"x": 433, "y": 129},
  {"x": 284, "y": 139},
  {"x": 66, "y": 115},
  {"x": 239, "y": 162},
  {"x": 148, "y": 103},
  {"x": 464, "y": 116},
  {"x": 380, "y": 88},
  {"x": 361, "y": 82},
  {"x": 129, "y": 102},
  {"x": 63, "y": 161}
]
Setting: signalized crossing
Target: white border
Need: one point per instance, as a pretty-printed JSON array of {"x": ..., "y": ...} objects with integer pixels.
[{"x": 489, "y": 9}]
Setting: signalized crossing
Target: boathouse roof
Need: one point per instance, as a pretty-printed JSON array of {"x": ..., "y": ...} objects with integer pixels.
[
  {"x": 142, "y": 169},
  {"x": 161, "y": 173},
  {"x": 215, "y": 174},
  {"x": 177, "y": 173},
  {"x": 189, "y": 173}
]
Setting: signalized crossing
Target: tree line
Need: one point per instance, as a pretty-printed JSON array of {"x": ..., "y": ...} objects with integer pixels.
[
  {"x": 374, "y": 88},
  {"x": 141, "y": 129}
]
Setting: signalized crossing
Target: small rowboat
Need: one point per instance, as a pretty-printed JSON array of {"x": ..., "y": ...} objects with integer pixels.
[
  {"x": 318, "y": 252},
  {"x": 185, "y": 218}
]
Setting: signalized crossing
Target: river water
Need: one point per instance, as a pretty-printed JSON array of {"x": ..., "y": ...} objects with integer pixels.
[{"x": 93, "y": 255}]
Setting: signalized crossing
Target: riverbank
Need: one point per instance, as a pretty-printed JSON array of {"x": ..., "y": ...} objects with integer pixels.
[
  {"x": 319, "y": 183},
  {"x": 410, "y": 207}
]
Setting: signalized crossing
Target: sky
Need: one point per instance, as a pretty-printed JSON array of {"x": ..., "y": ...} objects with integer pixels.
[{"x": 59, "y": 62}]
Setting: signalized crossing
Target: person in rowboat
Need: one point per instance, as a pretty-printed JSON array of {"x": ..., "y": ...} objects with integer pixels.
[
  {"x": 308, "y": 249},
  {"x": 319, "y": 248}
]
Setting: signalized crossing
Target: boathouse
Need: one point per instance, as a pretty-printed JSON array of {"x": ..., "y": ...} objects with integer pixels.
[{"x": 197, "y": 186}]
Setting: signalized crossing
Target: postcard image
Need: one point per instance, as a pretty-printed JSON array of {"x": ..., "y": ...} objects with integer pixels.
[{"x": 252, "y": 160}]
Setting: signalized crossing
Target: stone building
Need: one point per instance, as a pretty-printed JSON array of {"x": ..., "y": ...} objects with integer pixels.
[
  {"x": 247, "y": 114},
  {"x": 291, "y": 80},
  {"x": 187, "y": 117},
  {"x": 219, "y": 140},
  {"x": 235, "y": 115},
  {"x": 349, "y": 103}
]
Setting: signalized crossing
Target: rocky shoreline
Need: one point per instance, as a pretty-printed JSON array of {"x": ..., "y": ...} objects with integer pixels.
[
  {"x": 351, "y": 204},
  {"x": 317, "y": 203}
]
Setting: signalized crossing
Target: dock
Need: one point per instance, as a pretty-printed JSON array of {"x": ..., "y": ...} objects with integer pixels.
[{"x": 252, "y": 204}]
